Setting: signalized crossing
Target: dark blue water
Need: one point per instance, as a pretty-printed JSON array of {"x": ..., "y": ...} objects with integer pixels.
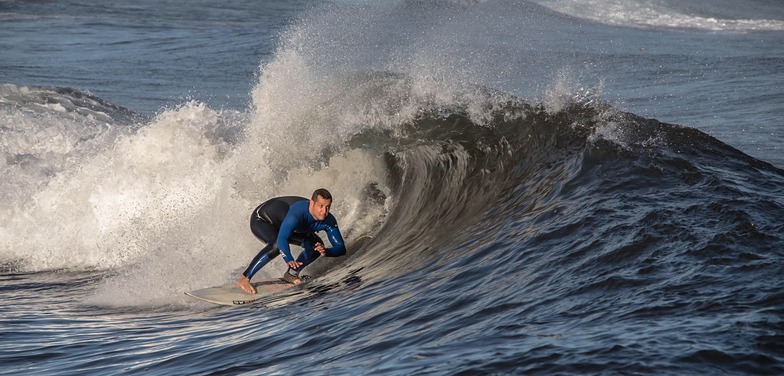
[{"x": 551, "y": 187}]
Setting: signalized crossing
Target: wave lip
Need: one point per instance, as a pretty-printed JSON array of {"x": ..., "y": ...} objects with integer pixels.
[{"x": 649, "y": 14}]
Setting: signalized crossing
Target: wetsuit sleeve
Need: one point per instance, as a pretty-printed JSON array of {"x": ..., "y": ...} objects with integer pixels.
[
  {"x": 336, "y": 239},
  {"x": 286, "y": 229}
]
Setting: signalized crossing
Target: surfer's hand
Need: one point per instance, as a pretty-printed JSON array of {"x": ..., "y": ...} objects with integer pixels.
[
  {"x": 320, "y": 248},
  {"x": 294, "y": 265}
]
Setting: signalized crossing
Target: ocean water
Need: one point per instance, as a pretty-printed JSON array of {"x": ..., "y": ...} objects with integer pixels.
[{"x": 551, "y": 187}]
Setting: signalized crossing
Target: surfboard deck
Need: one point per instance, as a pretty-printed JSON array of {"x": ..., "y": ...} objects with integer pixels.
[{"x": 233, "y": 295}]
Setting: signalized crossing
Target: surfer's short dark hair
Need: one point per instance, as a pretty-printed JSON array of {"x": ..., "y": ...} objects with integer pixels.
[{"x": 321, "y": 192}]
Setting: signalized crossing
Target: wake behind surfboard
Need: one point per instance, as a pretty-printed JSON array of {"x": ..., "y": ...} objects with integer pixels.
[{"x": 233, "y": 295}]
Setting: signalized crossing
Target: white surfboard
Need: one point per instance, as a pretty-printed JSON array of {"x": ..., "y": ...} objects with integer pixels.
[{"x": 233, "y": 295}]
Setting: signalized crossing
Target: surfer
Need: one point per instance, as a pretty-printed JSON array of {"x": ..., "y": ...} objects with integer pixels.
[{"x": 295, "y": 220}]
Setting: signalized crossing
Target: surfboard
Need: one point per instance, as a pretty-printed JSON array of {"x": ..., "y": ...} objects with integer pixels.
[{"x": 233, "y": 295}]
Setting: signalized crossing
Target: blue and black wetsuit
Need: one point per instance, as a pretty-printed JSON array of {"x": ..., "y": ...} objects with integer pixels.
[{"x": 286, "y": 220}]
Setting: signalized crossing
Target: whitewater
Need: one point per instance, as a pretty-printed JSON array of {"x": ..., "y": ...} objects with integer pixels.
[{"x": 551, "y": 187}]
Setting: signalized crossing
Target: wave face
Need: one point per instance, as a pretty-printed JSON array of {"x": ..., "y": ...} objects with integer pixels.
[
  {"x": 580, "y": 226},
  {"x": 551, "y": 222},
  {"x": 546, "y": 234}
]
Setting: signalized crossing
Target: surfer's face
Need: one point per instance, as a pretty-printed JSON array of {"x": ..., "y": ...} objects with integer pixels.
[{"x": 320, "y": 208}]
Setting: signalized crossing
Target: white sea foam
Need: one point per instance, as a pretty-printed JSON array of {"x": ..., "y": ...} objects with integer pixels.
[{"x": 655, "y": 14}]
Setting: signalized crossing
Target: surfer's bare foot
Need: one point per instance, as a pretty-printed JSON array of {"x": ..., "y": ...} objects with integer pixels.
[{"x": 244, "y": 283}]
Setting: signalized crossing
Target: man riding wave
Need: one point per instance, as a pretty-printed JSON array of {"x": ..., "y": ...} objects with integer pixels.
[{"x": 282, "y": 221}]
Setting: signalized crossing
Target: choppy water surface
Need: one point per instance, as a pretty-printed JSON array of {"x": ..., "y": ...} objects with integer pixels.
[{"x": 552, "y": 187}]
